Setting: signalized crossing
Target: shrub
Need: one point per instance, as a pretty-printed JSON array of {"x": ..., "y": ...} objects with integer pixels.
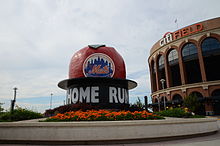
[
  {"x": 70, "y": 107},
  {"x": 176, "y": 112},
  {"x": 19, "y": 114},
  {"x": 192, "y": 103},
  {"x": 197, "y": 116},
  {"x": 137, "y": 106}
]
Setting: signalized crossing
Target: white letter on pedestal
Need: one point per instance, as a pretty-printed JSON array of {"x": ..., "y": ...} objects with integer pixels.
[
  {"x": 69, "y": 96},
  {"x": 120, "y": 97},
  {"x": 112, "y": 95},
  {"x": 75, "y": 95},
  {"x": 94, "y": 94},
  {"x": 84, "y": 94}
]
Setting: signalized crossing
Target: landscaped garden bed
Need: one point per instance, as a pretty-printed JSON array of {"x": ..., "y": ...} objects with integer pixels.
[
  {"x": 178, "y": 113},
  {"x": 103, "y": 115},
  {"x": 19, "y": 114}
]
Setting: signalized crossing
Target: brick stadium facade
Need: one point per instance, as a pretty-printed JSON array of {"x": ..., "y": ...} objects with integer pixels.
[{"x": 186, "y": 62}]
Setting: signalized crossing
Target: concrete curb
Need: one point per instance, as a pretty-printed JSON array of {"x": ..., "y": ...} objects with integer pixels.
[{"x": 104, "y": 131}]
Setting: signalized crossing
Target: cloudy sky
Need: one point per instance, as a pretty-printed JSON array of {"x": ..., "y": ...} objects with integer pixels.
[{"x": 39, "y": 37}]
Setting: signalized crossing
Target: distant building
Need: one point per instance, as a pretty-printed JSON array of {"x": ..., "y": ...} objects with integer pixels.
[{"x": 189, "y": 62}]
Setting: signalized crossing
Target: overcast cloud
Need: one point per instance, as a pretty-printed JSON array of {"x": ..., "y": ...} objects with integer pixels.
[{"x": 39, "y": 37}]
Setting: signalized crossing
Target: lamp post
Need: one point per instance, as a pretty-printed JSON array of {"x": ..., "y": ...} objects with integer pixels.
[
  {"x": 158, "y": 103},
  {"x": 13, "y": 101},
  {"x": 146, "y": 103},
  {"x": 51, "y": 100},
  {"x": 164, "y": 101}
]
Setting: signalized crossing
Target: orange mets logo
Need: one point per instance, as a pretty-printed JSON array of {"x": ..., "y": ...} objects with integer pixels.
[{"x": 98, "y": 65}]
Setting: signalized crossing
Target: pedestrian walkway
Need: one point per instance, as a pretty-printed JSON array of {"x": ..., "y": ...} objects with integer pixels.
[{"x": 218, "y": 117}]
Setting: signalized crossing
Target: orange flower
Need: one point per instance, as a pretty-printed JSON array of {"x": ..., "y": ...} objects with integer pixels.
[{"x": 103, "y": 114}]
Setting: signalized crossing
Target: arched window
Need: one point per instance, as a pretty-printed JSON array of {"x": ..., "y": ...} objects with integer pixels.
[
  {"x": 156, "y": 100},
  {"x": 174, "y": 70},
  {"x": 216, "y": 101},
  {"x": 161, "y": 71},
  {"x": 189, "y": 52},
  {"x": 211, "y": 56},
  {"x": 210, "y": 46},
  {"x": 153, "y": 76},
  {"x": 216, "y": 92},
  {"x": 200, "y": 108},
  {"x": 177, "y": 98},
  {"x": 197, "y": 94},
  {"x": 191, "y": 63},
  {"x": 173, "y": 57},
  {"x": 161, "y": 62}
]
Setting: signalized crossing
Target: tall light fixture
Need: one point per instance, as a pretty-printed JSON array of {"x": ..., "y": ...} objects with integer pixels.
[
  {"x": 164, "y": 101},
  {"x": 14, "y": 100}
]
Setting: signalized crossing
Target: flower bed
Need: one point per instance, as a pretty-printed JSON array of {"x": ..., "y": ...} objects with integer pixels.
[{"x": 103, "y": 115}]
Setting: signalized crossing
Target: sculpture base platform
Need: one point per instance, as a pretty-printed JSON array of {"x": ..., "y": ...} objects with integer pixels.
[{"x": 104, "y": 132}]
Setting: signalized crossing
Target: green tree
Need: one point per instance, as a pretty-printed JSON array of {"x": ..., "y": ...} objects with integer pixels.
[
  {"x": 192, "y": 103},
  {"x": 137, "y": 106},
  {"x": 1, "y": 108},
  {"x": 19, "y": 114},
  {"x": 139, "y": 103}
]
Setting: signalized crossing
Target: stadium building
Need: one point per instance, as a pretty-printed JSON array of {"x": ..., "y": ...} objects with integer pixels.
[{"x": 187, "y": 62}]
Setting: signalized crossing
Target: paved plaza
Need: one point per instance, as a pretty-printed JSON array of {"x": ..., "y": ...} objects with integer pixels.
[{"x": 211, "y": 140}]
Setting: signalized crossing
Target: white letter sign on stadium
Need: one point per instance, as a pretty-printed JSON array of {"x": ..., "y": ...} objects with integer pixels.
[{"x": 169, "y": 37}]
